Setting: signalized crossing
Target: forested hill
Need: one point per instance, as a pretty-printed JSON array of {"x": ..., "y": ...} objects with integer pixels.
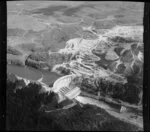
[{"x": 26, "y": 111}]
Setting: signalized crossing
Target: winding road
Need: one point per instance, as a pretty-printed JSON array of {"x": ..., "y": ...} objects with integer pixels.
[{"x": 125, "y": 116}]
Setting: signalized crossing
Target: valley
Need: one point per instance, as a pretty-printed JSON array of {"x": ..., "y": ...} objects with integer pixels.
[{"x": 99, "y": 45}]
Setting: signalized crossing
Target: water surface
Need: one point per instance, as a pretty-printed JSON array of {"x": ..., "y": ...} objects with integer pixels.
[{"x": 33, "y": 74}]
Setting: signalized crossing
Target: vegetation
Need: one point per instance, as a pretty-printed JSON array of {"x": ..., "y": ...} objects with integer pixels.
[
  {"x": 11, "y": 78},
  {"x": 63, "y": 70},
  {"x": 26, "y": 111},
  {"x": 128, "y": 92},
  {"x": 119, "y": 39},
  {"x": 15, "y": 61},
  {"x": 118, "y": 50},
  {"x": 13, "y": 51},
  {"x": 26, "y": 107},
  {"x": 40, "y": 60},
  {"x": 39, "y": 56},
  {"x": 37, "y": 65}
]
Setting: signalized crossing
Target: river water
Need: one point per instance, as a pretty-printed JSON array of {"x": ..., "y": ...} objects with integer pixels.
[{"x": 33, "y": 74}]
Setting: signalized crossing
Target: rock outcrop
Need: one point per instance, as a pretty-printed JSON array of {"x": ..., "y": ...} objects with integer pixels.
[{"x": 115, "y": 56}]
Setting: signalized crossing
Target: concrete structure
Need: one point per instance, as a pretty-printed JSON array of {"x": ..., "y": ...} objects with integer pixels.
[{"x": 64, "y": 90}]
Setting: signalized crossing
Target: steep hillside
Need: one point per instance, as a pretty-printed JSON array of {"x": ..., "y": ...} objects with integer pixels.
[
  {"x": 47, "y": 114},
  {"x": 114, "y": 58}
]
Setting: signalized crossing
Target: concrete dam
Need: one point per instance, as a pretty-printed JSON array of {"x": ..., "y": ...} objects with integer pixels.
[{"x": 64, "y": 90}]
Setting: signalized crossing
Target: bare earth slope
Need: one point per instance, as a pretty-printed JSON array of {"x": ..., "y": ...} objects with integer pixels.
[{"x": 101, "y": 43}]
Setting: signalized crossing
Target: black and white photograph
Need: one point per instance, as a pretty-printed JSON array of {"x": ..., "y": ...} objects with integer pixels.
[{"x": 74, "y": 65}]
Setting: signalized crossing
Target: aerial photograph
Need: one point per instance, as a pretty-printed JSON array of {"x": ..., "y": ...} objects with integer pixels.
[{"x": 74, "y": 65}]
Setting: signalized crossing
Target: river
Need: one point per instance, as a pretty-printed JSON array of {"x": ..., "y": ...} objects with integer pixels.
[{"x": 33, "y": 74}]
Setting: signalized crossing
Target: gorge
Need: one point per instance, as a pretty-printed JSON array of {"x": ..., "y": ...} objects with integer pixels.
[{"x": 75, "y": 66}]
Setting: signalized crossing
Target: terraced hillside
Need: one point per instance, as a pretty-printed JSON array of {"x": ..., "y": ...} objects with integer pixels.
[
  {"x": 115, "y": 56},
  {"x": 100, "y": 44}
]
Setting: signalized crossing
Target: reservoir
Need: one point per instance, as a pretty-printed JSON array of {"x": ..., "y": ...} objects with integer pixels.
[
  {"x": 50, "y": 77},
  {"x": 33, "y": 74}
]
